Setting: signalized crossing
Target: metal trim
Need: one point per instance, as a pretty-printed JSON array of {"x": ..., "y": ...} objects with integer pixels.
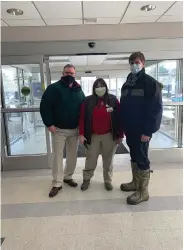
[
  {"x": 172, "y": 104},
  {"x": 48, "y": 80},
  {"x": 19, "y": 110},
  {"x": 17, "y": 60}
]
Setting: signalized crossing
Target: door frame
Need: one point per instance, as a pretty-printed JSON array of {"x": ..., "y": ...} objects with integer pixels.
[{"x": 23, "y": 162}]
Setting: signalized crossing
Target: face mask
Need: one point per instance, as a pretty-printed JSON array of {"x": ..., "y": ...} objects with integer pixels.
[
  {"x": 100, "y": 91},
  {"x": 68, "y": 79},
  {"x": 135, "y": 68}
]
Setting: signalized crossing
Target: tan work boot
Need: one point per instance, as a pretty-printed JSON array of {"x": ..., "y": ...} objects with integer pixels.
[
  {"x": 128, "y": 187},
  {"x": 108, "y": 186},
  {"x": 142, "y": 181}
]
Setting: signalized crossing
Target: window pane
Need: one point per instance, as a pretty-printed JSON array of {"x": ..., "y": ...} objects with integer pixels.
[
  {"x": 120, "y": 82},
  {"x": 107, "y": 81},
  {"x": 113, "y": 86},
  {"x": 167, "y": 76},
  {"x": 151, "y": 70},
  {"x": 167, "y": 136},
  {"x": 87, "y": 84},
  {"x": 26, "y": 133},
  {"x": 15, "y": 78}
]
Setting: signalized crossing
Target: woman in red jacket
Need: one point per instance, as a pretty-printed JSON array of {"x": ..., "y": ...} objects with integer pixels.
[{"x": 100, "y": 132}]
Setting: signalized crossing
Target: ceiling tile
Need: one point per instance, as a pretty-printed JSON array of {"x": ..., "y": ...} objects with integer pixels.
[
  {"x": 54, "y": 64},
  {"x": 28, "y": 22},
  {"x": 111, "y": 62},
  {"x": 140, "y": 19},
  {"x": 58, "y": 58},
  {"x": 104, "y": 9},
  {"x": 27, "y": 7},
  {"x": 118, "y": 55},
  {"x": 123, "y": 62},
  {"x": 60, "y": 9},
  {"x": 105, "y": 21},
  {"x": 177, "y": 9},
  {"x": 170, "y": 19},
  {"x": 135, "y": 9},
  {"x": 78, "y": 60},
  {"x": 95, "y": 60},
  {"x": 66, "y": 21},
  {"x": 3, "y": 23}
]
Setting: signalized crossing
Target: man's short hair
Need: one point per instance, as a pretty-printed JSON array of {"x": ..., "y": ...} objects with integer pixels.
[
  {"x": 68, "y": 66},
  {"x": 135, "y": 55}
]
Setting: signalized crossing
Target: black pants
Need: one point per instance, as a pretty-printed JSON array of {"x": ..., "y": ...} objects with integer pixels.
[{"x": 138, "y": 150}]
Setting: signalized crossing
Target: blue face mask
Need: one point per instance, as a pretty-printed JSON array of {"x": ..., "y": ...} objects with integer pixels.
[{"x": 135, "y": 68}]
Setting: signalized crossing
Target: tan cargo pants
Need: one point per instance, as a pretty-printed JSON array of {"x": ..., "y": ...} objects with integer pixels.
[
  {"x": 105, "y": 145},
  {"x": 70, "y": 137}
]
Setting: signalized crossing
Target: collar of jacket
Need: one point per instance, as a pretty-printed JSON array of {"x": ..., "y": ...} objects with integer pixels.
[
  {"x": 132, "y": 78},
  {"x": 75, "y": 85}
]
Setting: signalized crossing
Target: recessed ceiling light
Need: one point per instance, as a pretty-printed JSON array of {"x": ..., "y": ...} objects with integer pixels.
[
  {"x": 15, "y": 12},
  {"x": 148, "y": 7}
]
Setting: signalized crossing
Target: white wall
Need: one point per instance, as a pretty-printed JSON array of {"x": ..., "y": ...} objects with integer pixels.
[{"x": 92, "y": 32}]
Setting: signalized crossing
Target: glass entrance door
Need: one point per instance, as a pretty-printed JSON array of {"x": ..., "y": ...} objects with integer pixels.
[{"x": 26, "y": 141}]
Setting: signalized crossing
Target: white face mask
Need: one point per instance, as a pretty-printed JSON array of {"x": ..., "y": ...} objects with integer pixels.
[
  {"x": 100, "y": 91},
  {"x": 135, "y": 68}
]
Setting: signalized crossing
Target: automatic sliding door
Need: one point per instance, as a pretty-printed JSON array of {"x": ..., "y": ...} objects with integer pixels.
[{"x": 27, "y": 140}]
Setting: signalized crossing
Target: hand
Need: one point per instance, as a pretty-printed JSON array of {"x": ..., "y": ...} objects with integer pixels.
[
  {"x": 82, "y": 139},
  {"x": 145, "y": 138},
  {"x": 52, "y": 129},
  {"x": 119, "y": 141}
]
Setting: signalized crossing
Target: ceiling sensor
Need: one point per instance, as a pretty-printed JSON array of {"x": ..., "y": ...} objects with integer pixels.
[
  {"x": 148, "y": 7},
  {"x": 15, "y": 12}
]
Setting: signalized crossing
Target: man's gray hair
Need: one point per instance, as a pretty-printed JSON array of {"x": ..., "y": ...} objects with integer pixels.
[{"x": 68, "y": 66}]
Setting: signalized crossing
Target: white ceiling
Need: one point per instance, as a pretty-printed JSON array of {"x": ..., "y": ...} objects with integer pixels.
[
  {"x": 51, "y": 13},
  {"x": 89, "y": 60}
]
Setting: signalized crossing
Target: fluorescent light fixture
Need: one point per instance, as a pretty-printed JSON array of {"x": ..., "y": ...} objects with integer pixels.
[
  {"x": 15, "y": 12},
  {"x": 148, "y": 7},
  {"x": 124, "y": 55}
]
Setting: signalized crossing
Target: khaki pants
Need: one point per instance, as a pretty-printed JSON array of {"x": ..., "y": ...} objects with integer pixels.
[
  {"x": 70, "y": 137},
  {"x": 105, "y": 145}
]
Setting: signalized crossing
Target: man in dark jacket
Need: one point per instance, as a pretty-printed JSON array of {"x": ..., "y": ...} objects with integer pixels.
[
  {"x": 60, "y": 110},
  {"x": 141, "y": 114}
]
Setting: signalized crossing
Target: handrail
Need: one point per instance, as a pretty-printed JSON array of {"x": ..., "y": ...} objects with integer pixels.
[
  {"x": 19, "y": 110},
  {"x": 172, "y": 103}
]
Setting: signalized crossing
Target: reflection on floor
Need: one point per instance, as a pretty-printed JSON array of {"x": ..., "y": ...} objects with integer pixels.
[
  {"x": 160, "y": 140},
  {"x": 35, "y": 142},
  {"x": 94, "y": 219}
]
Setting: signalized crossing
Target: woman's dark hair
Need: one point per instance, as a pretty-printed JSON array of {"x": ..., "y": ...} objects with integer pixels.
[{"x": 102, "y": 83}]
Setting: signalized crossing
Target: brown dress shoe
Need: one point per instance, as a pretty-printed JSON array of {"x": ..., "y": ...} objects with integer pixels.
[{"x": 54, "y": 191}]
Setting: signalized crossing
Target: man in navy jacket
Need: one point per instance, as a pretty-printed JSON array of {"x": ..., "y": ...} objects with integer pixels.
[{"x": 141, "y": 114}]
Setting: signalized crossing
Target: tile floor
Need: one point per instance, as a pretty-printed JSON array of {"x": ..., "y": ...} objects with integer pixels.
[{"x": 95, "y": 219}]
